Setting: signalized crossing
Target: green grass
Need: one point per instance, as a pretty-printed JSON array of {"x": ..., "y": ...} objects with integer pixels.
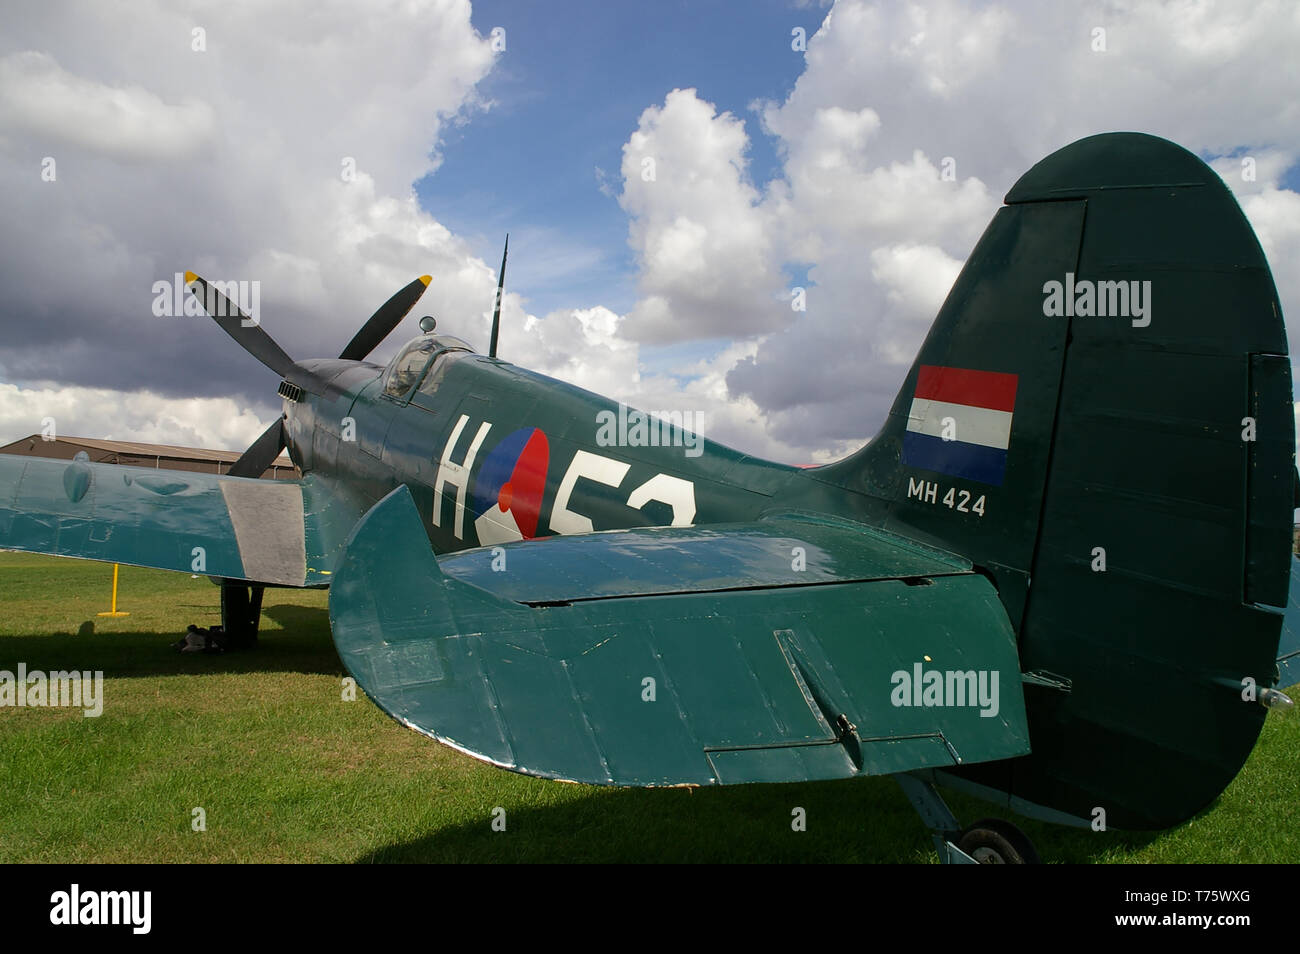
[{"x": 287, "y": 771}]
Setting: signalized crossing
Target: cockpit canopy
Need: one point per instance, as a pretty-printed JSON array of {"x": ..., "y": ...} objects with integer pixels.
[{"x": 414, "y": 364}]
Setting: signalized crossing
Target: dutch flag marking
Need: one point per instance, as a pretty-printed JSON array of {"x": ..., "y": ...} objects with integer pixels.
[{"x": 980, "y": 405}]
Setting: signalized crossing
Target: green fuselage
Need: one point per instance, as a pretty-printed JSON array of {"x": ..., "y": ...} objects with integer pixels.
[{"x": 492, "y": 452}]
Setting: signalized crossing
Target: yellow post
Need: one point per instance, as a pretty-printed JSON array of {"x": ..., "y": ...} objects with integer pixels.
[{"x": 113, "y": 611}]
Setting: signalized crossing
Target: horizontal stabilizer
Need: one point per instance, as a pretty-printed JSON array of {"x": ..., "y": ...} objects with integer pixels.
[
  {"x": 696, "y": 662},
  {"x": 780, "y": 550}
]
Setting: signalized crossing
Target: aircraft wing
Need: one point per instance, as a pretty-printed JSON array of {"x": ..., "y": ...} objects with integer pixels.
[
  {"x": 770, "y": 651},
  {"x": 287, "y": 532}
]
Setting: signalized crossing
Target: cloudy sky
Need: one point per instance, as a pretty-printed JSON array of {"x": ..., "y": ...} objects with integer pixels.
[{"x": 333, "y": 151}]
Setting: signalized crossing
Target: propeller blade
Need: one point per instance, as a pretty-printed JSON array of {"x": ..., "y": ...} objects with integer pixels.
[
  {"x": 255, "y": 460},
  {"x": 234, "y": 322},
  {"x": 383, "y": 321}
]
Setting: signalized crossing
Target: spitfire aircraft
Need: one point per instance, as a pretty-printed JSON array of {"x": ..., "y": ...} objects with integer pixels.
[{"x": 1057, "y": 577}]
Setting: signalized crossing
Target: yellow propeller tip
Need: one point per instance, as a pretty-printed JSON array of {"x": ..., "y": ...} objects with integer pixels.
[
  {"x": 190, "y": 278},
  {"x": 426, "y": 279}
]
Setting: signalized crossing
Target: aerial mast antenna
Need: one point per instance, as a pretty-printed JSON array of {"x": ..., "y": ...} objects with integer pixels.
[{"x": 496, "y": 312}]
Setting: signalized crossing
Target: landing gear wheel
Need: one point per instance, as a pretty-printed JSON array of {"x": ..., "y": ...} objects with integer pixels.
[{"x": 993, "y": 841}]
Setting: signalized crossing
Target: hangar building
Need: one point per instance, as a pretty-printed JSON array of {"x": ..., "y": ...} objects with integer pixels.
[{"x": 141, "y": 455}]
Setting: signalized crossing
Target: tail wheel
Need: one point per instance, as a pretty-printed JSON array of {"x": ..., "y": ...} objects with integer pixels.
[{"x": 993, "y": 841}]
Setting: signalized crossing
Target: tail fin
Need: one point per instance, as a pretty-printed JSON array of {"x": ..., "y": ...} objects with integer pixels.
[{"x": 1102, "y": 409}]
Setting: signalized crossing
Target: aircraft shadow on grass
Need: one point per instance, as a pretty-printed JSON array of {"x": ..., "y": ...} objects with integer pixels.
[
  {"x": 848, "y": 821},
  {"x": 303, "y": 646}
]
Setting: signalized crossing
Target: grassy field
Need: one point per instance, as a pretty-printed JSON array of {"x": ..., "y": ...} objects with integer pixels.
[{"x": 285, "y": 770}]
